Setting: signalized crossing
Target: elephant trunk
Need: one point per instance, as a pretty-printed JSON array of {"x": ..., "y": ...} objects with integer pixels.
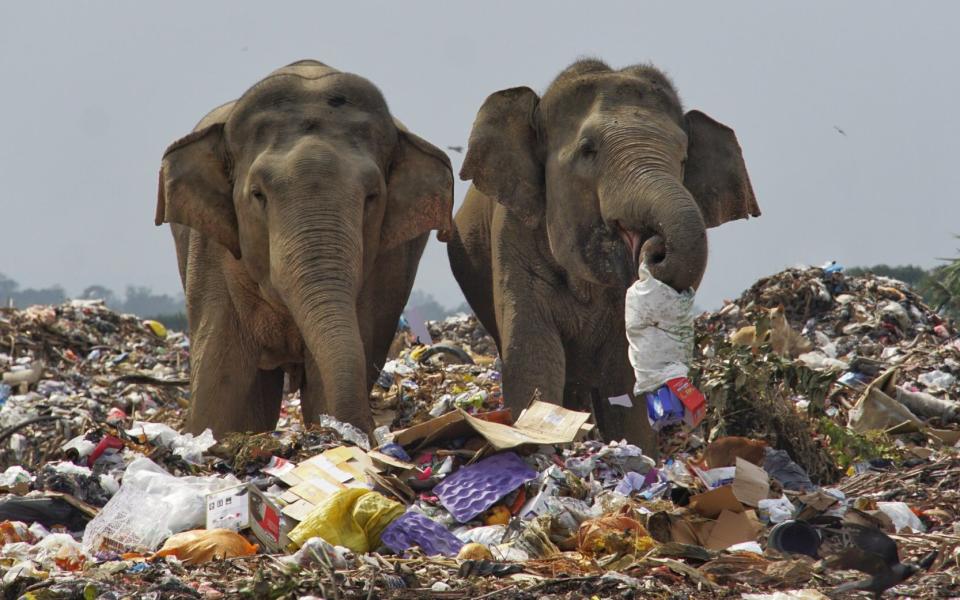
[
  {"x": 642, "y": 198},
  {"x": 663, "y": 228},
  {"x": 318, "y": 268}
]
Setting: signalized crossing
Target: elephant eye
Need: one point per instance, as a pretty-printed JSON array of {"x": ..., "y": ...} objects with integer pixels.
[
  {"x": 371, "y": 197},
  {"x": 258, "y": 194},
  {"x": 587, "y": 148}
]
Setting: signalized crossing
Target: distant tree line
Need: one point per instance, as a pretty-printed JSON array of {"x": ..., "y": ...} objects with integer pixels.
[
  {"x": 169, "y": 310},
  {"x": 138, "y": 300}
]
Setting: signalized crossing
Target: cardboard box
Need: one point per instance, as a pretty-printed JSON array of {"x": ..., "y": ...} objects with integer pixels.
[
  {"x": 693, "y": 401},
  {"x": 245, "y": 507}
]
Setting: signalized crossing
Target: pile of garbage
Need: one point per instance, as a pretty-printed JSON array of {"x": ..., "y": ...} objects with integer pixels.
[
  {"x": 818, "y": 455},
  {"x": 466, "y": 331},
  {"x": 80, "y": 365}
]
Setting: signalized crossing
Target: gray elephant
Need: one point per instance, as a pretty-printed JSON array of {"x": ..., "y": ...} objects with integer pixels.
[
  {"x": 570, "y": 192},
  {"x": 300, "y": 212}
]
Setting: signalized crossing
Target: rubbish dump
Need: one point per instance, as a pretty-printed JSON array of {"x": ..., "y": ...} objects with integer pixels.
[{"x": 814, "y": 405}]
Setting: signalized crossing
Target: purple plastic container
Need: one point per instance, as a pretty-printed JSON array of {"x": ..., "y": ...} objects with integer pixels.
[
  {"x": 415, "y": 529},
  {"x": 474, "y": 489}
]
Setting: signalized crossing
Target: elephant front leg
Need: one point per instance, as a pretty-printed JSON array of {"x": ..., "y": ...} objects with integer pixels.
[
  {"x": 617, "y": 422},
  {"x": 533, "y": 359},
  {"x": 228, "y": 392}
]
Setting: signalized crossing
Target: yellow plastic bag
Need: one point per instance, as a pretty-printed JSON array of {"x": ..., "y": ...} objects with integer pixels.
[
  {"x": 202, "y": 545},
  {"x": 353, "y": 518},
  {"x": 157, "y": 328}
]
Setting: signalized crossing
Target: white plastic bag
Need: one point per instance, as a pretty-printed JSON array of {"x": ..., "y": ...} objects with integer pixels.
[
  {"x": 184, "y": 445},
  {"x": 659, "y": 324},
  {"x": 150, "y": 506},
  {"x": 902, "y": 516}
]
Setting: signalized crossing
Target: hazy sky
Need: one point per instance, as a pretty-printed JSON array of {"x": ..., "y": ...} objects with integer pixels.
[{"x": 92, "y": 92}]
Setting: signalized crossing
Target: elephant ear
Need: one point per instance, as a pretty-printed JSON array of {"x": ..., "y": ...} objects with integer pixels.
[
  {"x": 195, "y": 187},
  {"x": 419, "y": 192},
  {"x": 503, "y": 155},
  {"x": 715, "y": 173}
]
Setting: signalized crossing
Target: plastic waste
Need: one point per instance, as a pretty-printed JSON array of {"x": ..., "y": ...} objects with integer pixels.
[
  {"x": 12, "y": 532},
  {"x": 157, "y": 328},
  {"x": 185, "y": 445},
  {"x": 24, "y": 376},
  {"x": 415, "y": 529},
  {"x": 203, "y": 545},
  {"x": 60, "y": 550},
  {"x": 150, "y": 506},
  {"x": 613, "y": 534},
  {"x": 25, "y": 569},
  {"x": 489, "y": 535},
  {"x": 318, "y": 550},
  {"x": 14, "y": 475},
  {"x": 353, "y": 518},
  {"x": 928, "y": 406},
  {"x": 898, "y": 313},
  {"x": 474, "y": 551},
  {"x": 902, "y": 516},
  {"x": 663, "y": 408},
  {"x": 776, "y": 510},
  {"x": 348, "y": 432},
  {"x": 49, "y": 512},
  {"x": 473, "y": 489},
  {"x": 659, "y": 326},
  {"x": 937, "y": 379},
  {"x": 779, "y": 465}
]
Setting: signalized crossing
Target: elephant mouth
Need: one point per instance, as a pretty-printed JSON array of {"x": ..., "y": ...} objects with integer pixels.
[
  {"x": 634, "y": 242},
  {"x": 642, "y": 249}
]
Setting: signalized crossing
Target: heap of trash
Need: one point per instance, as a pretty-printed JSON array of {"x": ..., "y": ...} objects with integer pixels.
[{"x": 827, "y": 445}]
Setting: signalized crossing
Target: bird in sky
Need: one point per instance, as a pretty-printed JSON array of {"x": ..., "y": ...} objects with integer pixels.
[
  {"x": 455, "y": 148},
  {"x": 840, "y": 131},
  {"x": 871, "y": 551}
]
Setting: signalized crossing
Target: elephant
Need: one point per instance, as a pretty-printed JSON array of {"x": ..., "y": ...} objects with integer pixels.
[
  {"x": 570, "y": 193},
  {"x": 299, "y": 214}
]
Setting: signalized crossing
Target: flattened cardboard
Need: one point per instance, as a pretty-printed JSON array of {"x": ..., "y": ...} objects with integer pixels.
[
  {"x": 711, "y": 504},
  {"x": 445, "y": 426},
  {"x": 733, "y": 528},
  {"x": 751, "y": 484},
  {"x": 818, "y": 500},
  {"x": 541, "y": 423},
  {"x": 946, "y": 436}
]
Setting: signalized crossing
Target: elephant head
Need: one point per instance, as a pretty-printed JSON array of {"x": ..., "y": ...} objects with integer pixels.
[
  {"x": 305, "y": 180},
  {"x": 614, "y": 169}
]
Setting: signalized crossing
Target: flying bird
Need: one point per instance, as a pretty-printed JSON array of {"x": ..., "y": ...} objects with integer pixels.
[
  {"x": 840, "y": 131},
  {"x": 873, "y": 552},
  {"x": 455, "y": 148}
]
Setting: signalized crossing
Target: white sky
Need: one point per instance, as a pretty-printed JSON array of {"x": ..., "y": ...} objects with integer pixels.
[{"x": 92, "y": 92}]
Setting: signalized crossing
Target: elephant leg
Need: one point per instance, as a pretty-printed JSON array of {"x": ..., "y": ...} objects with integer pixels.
[
  {"x": 382, "y": 300},
  {"x": 533, "y": 359},
  {"x": 228, "y": 392},
  {"x": 622, "y": 423},
  {"x": 313, "y": 402},
  {"x": 470, "y": 258}
]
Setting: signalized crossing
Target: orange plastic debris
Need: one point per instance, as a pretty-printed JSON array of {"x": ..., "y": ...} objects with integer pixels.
[{"x": 203, "y": 545}]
